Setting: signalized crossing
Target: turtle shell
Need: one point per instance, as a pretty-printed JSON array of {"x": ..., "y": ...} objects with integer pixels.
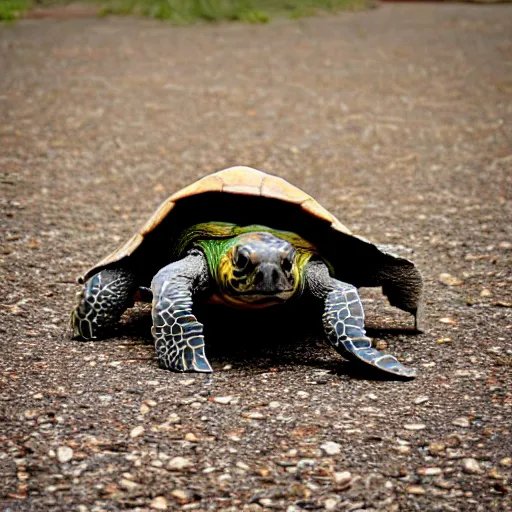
[{"x": 245, "y": 196}]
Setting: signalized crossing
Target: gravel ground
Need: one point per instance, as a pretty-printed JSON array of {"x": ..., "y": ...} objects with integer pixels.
[{"x": 398, "y": 121}]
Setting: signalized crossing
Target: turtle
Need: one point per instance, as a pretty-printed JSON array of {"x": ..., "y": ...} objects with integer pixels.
[{"x": 246, "y": 239}]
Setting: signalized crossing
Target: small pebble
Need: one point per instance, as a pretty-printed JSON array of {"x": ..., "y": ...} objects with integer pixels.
[
  {"x": 486, "y": 293},
  {"x": 64, "y": 454},
  {"x": 173, "y": 418},
  {"x": 506, "y": 462},
  {"x": 444, "y": 340},
  {"x": 449, "y": 280},
  {"x": 495, "y": 474},
  {"x": 179, "y": 463},
  {"x": 331, "y": 504},
  {"x": 159, "y": 503},
  {"x": 461, "y": 422},
  {"x": 421, "y": 400},
  {"x": 471, "y": 466},
  {"x": 224, "y": 400},
  {"x": 274, "y": 405},
  {"x": 302, "y": 394},
  {"x": 331, "y": 448},
  {"x": 415, "y": 489},
  {"x": 306, "y": 463},
  {"x": 444, "y": 484},
  {"x": 128, "y": 484},
  {"x": 253, "y": 415},
  {"x": 430, "y": 471},
  {"x": 136, "y": 432},
  {"x": 180, "y": 494},
  {"x": 191, "y": 437},
  {"x": 381, "y": 345},
  {"x": 342, "y": 477},
  {"x": 414, "y": 426},
  {"x": 447, "y": 321}
]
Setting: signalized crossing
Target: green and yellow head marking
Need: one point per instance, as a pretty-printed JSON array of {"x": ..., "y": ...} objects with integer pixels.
[{"x": 252, "y": 266}]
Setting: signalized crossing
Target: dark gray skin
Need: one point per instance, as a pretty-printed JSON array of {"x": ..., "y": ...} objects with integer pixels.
[{"x": 178, "y": 334}]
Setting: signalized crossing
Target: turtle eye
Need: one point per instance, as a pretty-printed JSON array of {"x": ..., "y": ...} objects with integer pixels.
[{"x": 241, "y": 260}]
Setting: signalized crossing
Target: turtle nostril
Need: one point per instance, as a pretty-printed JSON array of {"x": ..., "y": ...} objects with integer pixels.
[
  {"x": 258, "y": 278},
  {"x": 275, "y": 276}
]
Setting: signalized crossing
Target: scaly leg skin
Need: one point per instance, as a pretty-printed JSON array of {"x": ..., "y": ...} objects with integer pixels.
[
  {"x": 101, "y": 302},
  {"x": 343, "y": 321},
  {"x": 179, "y": 340}
]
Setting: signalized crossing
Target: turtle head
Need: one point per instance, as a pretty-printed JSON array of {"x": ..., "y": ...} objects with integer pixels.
[{"x": 259, "y": 268}]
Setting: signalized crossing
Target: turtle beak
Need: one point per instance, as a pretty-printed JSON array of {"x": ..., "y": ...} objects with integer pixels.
[{"x": 270, "y": 279}]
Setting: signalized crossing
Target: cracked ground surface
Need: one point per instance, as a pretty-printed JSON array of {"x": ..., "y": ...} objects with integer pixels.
[{"x": 398, "y": 121}]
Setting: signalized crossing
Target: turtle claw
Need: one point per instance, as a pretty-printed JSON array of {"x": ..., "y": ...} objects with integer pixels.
[
  {"x": 382, "y": 362},
  {"x": 181, "y": 355}
]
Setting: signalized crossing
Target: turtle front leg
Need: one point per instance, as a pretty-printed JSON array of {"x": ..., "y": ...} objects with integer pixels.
[
  {"x": 179, "y": 340},
  {"x": 101, "y": 302},
  {"x": 343, "y": 321}
]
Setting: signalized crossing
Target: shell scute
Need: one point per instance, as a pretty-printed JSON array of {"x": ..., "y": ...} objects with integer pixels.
[
  {"x": 273, "y": 186},
  {"x": 211, "y": 183}
]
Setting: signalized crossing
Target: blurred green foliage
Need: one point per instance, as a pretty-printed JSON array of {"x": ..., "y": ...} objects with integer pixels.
[
  {"x": 12, "y": 9},
  {"x": 253, "y": 11},
  {"x": 189, "y": 11}
]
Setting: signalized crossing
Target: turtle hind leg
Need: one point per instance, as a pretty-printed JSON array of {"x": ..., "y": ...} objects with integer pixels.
[{"x": 101, "y": 302}]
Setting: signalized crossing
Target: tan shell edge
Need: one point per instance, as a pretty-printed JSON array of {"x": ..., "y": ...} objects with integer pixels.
[{"x": 234, "y": 180}]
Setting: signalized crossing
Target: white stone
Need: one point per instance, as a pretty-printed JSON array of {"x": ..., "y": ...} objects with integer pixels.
[
  {"x": 461, "y": 422},
  {"x": 471, "y": 466},
  {"x": 159, "y": 503},
  {"x": 331, "y": 448},
  {"x": 179, "y": 463},
  {"x": 127, "y": 484},
  {"x": 64, "y": 454},
  {"x": 414, "y": 426},
  {"x": 342, "y": 477},
  {"x": 136, "y": 432},
  {"x": 253, "y": 415},
  {"x": 224, "y": 400},
  {"x": 331, "y": 503}
]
